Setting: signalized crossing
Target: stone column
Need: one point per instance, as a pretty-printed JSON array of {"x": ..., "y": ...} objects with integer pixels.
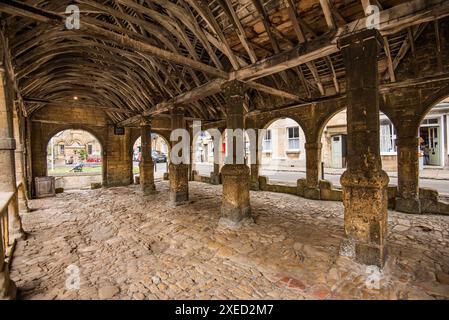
[
  {"x": 235, "y": 205},
  {"x": 178, "y": 172},
  {"x": 255, "y": 163},
  {"x": 20, "y": 160},
  {"x": 7, "y": 176},
  {"x": 215, "y": 176},
  {"x": 313, "y": 170},
  {"x": 146, "y": 163},
  {"x": 218, "y": 157},
  {"x": 364, "y": 182},
  {"x": 8, "y": 182},
  {"x": 191, "y": 167},
  {"x": 408, "y": 175}
]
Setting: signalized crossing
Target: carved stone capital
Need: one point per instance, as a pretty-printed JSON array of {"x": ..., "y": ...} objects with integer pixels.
[
  {"x": 359, "y": 37},
  {"x": 145, "y": 121},
  {"x": 234, "y": 88}
]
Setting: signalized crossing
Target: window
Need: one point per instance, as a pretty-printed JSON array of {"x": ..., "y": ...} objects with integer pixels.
[
  {"x": 266, "y": 144},
  {"x": 61, "y": 149},
  {"x": 430, "y": 121},
  {"x": 387, "y": 137},
  {"x": 293, "y": 138},
  {"x": 89, "y": 149}
]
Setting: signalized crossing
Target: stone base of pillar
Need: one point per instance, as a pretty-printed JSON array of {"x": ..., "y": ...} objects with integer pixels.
[
  {"x": 8, "y": 289},
  {"x": 16, "y": 235},
  {"x": 179, "y": 184},
  {"x": 16, "y": 231},
  {"x": 146, "y": 178},
  {"x": 312, "y": 193},
  {"x": 254, "y": 186},
  {"x": 235, "y": 207},
  {"x": 215, "y": 178},
  {"x": 366, "y": 207},
  {"x": 23, "y": 206},
  {"x": 254, "y": 180},
  {"x": 148, "y": 189},
  {"x": 373, "y": 255},
  {"x": 408, "y": 205}
]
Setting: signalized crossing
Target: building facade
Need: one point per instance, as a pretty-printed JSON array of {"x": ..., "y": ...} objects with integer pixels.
[
  {"x": 283, "y": 146},
  {"x": 73, "y": 146},
  {"x": 433, "y": 134}
]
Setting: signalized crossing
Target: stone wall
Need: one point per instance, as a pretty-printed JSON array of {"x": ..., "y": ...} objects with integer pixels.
[
  {"x": 48, "y": 121},
  {"x": 77, "y": 181}
]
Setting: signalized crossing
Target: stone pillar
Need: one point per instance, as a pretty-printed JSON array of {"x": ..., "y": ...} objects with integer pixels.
[
  {"x": 7, "y": 178},
  {"x": 215, "y": 175},
  {"x": 146, "y": 166},
  {"x": 8, "y": 182},
  {"x": 235, "y": 205},
  {"x": 218, "y": 157},
  {"x": 255, "y": 163},
  {"x": 408, "y": 175},
  {"x": 20, "y": 161},
  {"x": 191, "y": 167},
  {"x": 178, "y": 173},
  {"x": 313, "y": 170},
  {"x": 364, "y": 182}
]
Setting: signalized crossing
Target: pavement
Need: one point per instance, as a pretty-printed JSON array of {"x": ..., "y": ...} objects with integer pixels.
[{"x": 114, "y": 243}]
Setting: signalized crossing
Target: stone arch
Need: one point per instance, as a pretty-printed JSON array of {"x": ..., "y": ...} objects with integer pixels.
[
  {"x": 388, "y": 160},
  {"x": 97, "y": 135},
  {"x": 86, "y": 128},
  {"x": 135, "y": 135},
  {"x": 281, "y": 161},
  {"x": 433, "y": 100},
  {"x": 325, "y": 120},
  {"x": 205, "y": 163},
  {"x": 265, "y": 123}
]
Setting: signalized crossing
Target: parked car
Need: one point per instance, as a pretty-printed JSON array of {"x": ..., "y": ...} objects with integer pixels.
[{"x": 158, "y": 156}]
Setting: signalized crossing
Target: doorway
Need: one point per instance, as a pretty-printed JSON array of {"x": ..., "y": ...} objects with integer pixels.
[
  {"x": 430, "y": 134},
  {"x": 338, "y": 149}
]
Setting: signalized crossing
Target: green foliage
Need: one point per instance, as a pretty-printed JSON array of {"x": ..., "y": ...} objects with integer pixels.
[{"x": 83, "y": 154}]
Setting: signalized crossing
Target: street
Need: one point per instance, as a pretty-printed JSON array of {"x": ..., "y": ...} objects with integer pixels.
[
  {"x": 160, "y": 169},
  {"x": 290, "y": 177}
]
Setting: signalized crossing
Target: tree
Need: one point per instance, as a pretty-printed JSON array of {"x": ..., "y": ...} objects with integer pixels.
[{"x": 83, "y": 155}]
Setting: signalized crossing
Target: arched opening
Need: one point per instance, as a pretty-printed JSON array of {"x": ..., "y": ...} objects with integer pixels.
[
  {"x": 334, "y": 147},
  {"x": 283, "y": 155},
  {"x": 159, "y": 153},
  {"x": 224, "y": 152},
  {"x": 75, "y": 159},
  {"x": 433, "y": 139},
  {"x": 433, "y": 136},
  {"x": 203, "y": 153}
]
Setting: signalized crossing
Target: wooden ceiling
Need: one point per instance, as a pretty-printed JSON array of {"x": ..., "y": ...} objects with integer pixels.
[{"x": 134, "y": 57}]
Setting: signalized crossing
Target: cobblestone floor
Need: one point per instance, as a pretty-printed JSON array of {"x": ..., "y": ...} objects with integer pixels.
[{"x": 132, "y": 247}]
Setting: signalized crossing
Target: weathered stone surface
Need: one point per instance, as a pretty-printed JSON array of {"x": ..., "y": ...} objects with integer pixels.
[
  {"x": 179, "y": 184},
  {"x": 108, "y": 292},
  {"x": 95, "y": 185},
  {"x": 235, "y": 205},
  {"x": 150, "y": 250},
  {"x": 364, "y": 182}
]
